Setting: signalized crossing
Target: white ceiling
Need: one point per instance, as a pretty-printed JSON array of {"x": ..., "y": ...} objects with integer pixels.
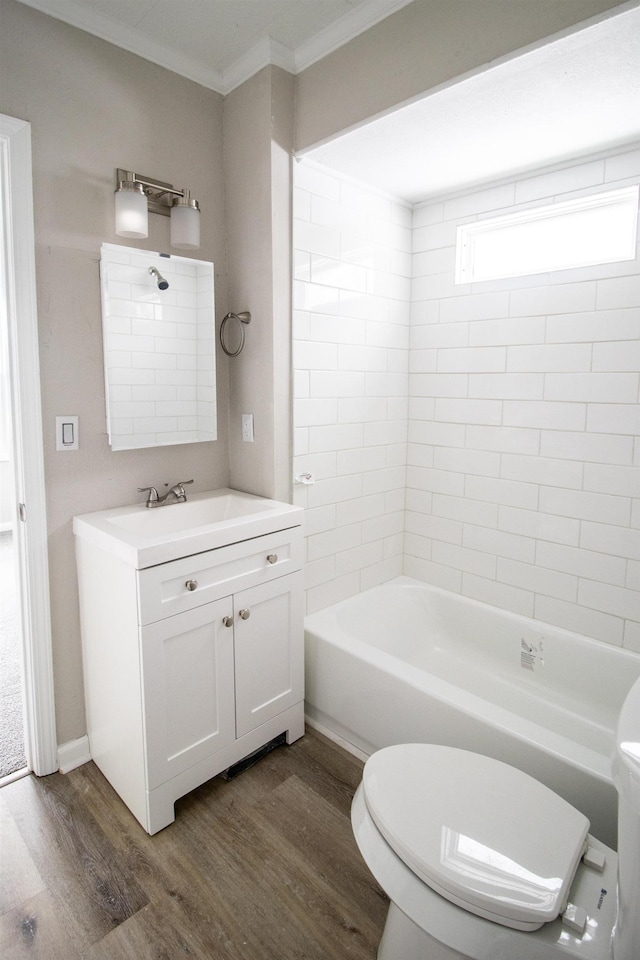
[
  {"x": 221, "y": 43},
  {"x": 574, "y": 95}
]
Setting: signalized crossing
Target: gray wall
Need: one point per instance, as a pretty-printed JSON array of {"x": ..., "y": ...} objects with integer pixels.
[
  {"x": 94, "y": 107},
  {"x": 258, "y": 118}
]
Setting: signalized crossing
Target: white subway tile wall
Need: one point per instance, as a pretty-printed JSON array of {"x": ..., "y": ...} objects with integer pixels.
[
  {"x": 160, "y": 348},
  {"x": 352, "y": 288},
  {"x": 521, "y": 419},
  {"x": 540, "y": 378}
]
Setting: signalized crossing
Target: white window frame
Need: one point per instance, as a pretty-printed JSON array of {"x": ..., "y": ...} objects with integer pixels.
[{"x": 528, "y": 226}]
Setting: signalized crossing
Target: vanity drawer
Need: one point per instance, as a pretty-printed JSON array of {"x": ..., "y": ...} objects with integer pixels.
[{"x": 183, "y": 584}]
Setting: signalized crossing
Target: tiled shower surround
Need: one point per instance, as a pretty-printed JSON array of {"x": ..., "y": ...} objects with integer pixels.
[
  {"x": 352, "y": 285},
  {"x": 523, "y": 456}
]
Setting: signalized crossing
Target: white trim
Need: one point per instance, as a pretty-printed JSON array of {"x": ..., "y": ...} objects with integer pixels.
[
  {"x": 17, "y": 775},
  {"x": 31, "y": 536},
  {"x": 263, "y": 54},
  {"x": 336, "y": 738},
  {"x": 73, "y": 754}
]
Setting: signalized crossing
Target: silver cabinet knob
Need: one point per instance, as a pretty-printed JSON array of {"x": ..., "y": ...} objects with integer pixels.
[
  {"x": 272, "y": 558},
  {"x": 245, "y": 614},
  {"x": 228, "y": 621},
  {"x": 191, "y": 584}
]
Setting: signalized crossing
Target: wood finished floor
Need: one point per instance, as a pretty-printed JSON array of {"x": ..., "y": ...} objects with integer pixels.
[{"x": 261, "y": 867}]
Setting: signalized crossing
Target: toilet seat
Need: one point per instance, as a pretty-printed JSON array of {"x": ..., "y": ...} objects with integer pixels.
[{"x": 481, "y": 833}]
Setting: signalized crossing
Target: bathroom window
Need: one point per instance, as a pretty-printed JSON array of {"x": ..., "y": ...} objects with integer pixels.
[{"x": 576, "y": 233}]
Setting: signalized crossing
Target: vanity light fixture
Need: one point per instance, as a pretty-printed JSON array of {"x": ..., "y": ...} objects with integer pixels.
[{"x": 136, "y": 195}]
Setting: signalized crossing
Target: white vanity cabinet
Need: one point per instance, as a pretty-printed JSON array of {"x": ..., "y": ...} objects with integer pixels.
[
  {"x": 219, "y": 672},
  {"x": 190, "y": 665}
]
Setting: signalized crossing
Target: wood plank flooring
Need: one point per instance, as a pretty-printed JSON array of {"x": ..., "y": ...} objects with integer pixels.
[{"x": 263, "y": 867}]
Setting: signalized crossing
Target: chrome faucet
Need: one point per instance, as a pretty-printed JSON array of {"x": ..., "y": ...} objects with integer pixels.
[{"x": 177, "y": 494}]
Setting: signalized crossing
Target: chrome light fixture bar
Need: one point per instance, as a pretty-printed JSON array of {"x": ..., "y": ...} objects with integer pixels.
[{"x": 136, "y": 195}]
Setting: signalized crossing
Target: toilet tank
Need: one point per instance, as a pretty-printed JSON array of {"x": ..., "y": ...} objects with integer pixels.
[
  {"x": 626, "y": 775},
  {"x": 626, "y": 765}
]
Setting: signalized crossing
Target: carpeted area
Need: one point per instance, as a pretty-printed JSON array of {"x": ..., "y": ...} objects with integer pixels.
[{"x": 12, "y": 756}]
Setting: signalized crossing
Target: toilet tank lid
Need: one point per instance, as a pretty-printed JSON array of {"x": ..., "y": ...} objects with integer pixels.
[{"x": 480, "y": 832}]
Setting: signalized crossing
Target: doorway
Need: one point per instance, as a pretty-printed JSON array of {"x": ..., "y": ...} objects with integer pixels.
[
  {"x": 32, "y": 648},
  {"x": 12, "y": 753},
  {"x": 13, "y": 759}
]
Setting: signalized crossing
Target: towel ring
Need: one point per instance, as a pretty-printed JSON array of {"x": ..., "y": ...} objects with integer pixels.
[{"x": 241, "y": 319}]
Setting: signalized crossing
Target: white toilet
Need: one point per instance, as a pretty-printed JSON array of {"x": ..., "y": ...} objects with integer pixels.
[{"x": 482, "y": 862}]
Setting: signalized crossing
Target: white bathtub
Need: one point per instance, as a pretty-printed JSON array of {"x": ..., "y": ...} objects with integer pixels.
[{"x": 408, "y": 662}]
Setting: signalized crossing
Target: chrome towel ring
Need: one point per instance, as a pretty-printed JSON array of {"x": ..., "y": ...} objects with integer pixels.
[{"x": 241, "y": 319}]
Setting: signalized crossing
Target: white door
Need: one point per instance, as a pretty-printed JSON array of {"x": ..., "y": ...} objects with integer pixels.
[
  {"x": 268, "y": 626},
  {"x": 18, "y": 293},
  {"x": 187, "y": 666}
]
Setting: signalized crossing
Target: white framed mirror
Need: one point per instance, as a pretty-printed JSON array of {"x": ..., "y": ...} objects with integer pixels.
[{"x": 158, "y": 325}]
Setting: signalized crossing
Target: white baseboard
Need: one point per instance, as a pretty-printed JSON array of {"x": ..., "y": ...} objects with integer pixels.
[
  {"x": 336, "y": 738},
  {"x": 73, "y": 754}
]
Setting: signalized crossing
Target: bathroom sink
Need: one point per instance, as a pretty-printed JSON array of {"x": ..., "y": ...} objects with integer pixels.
[
  {"x": 143, "y": 536},
  {"x": 160, "y": 521}
]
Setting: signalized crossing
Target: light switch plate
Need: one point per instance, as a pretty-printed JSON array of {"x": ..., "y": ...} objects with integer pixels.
[{"x": 67, "y": 433}]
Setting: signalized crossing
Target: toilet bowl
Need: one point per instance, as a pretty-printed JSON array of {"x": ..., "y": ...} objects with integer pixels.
[{"x": 482, "y": 862}]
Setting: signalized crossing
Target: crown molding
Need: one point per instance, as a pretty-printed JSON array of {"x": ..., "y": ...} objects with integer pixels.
[{"x": 267, "y": 52}]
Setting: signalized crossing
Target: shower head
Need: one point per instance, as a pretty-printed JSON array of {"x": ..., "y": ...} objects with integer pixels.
[{"x": 162, "y": 283}]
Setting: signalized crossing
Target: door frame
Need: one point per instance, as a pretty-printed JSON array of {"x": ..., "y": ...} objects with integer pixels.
[{"x": 30, "y": 520}]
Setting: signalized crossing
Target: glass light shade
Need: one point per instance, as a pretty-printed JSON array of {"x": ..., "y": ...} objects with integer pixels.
[
  {"x": 132, "y": 218},
  {"x": 185, "y": 224}
]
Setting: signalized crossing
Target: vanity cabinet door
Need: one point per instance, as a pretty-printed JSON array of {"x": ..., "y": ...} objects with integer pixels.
[
  {"x": 269, "y": 650},
  {"x": 188, "y": 689}
]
